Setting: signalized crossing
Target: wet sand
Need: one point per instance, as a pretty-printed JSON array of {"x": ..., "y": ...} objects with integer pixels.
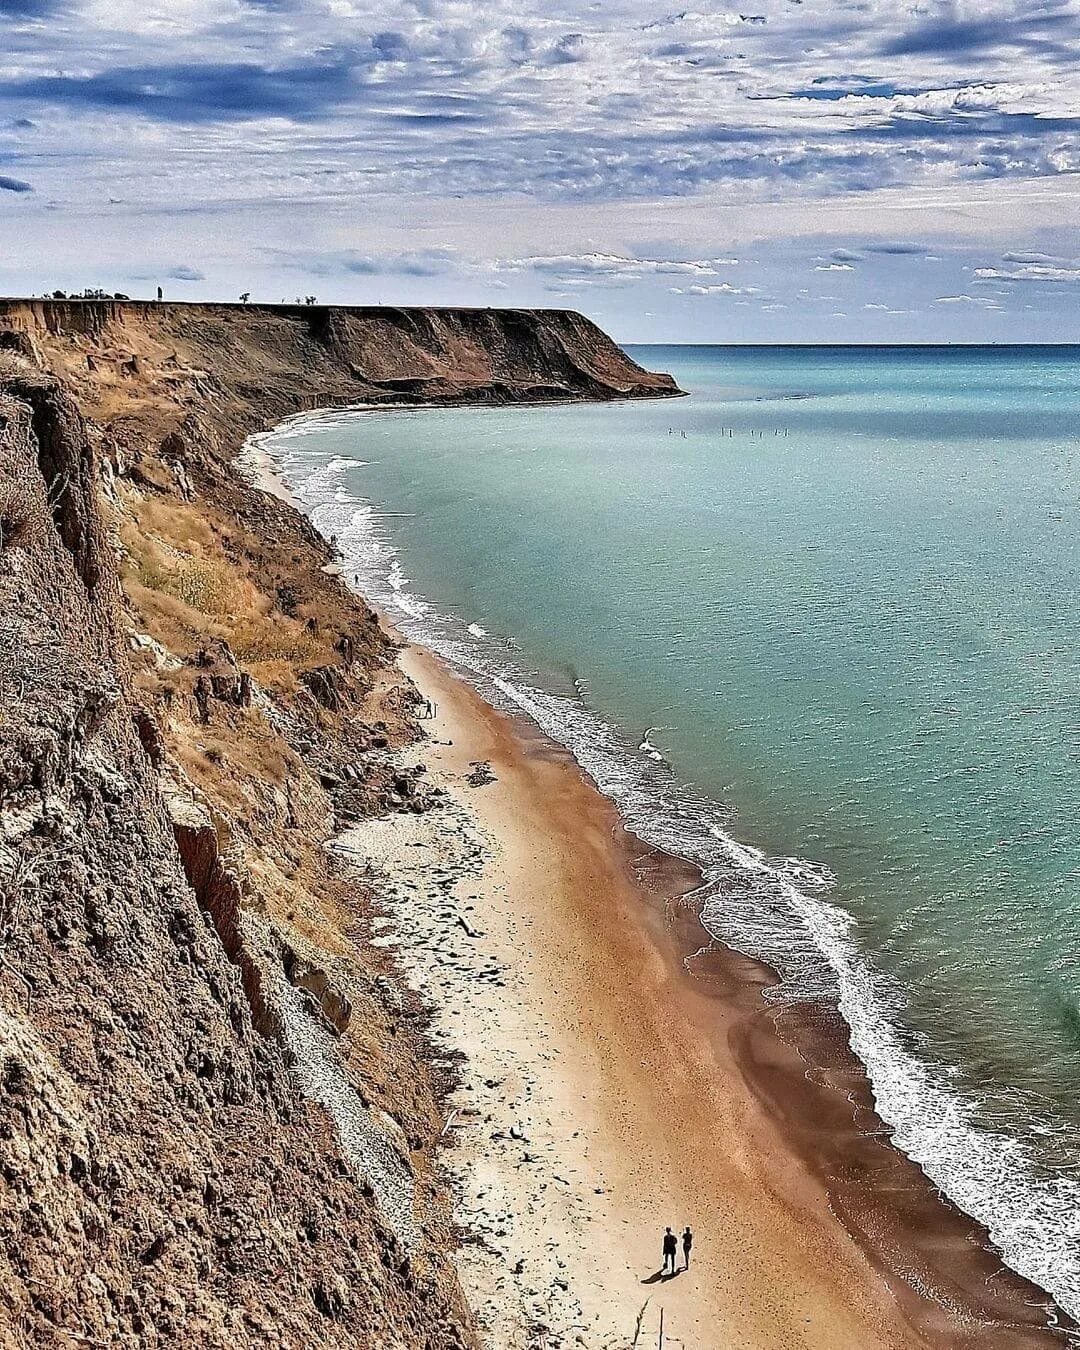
[{"x": 620, "y": 1072}]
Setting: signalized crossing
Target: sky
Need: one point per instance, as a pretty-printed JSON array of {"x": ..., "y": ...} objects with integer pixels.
[{"x": 801, "y": 170}]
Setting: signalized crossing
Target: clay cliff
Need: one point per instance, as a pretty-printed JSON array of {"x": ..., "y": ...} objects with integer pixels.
[
  {"x": 220, "y": 1113},
  {"x": 272, "y": 360}
]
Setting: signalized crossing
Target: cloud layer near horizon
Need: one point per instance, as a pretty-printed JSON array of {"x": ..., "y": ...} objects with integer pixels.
[{"x": 493, "y": 156}]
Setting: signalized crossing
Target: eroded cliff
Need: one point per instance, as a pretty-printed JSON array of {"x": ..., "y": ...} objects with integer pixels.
[
  {"x": 219, "y": 1113},
  {"x": 266, "y": 361}
]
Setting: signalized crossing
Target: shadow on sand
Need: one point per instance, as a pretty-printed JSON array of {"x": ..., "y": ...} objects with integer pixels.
[{"x": 661, "y": 1277}]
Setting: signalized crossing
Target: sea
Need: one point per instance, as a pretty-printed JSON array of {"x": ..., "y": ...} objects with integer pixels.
[{"x": 815, "y": 627}]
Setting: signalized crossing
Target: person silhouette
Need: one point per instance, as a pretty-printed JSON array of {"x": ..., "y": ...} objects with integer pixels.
[
  {"x": 687, "y": 1243},
  {"x": 671, "y": 1247}
]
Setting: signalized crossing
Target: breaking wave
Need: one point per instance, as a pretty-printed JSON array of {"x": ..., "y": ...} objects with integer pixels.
[{"x": 775, "y": 909}]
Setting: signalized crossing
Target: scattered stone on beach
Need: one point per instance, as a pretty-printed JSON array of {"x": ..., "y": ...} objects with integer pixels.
[
  {"x": 427, "y": 873},
  {"x": 481, "y": 773}
]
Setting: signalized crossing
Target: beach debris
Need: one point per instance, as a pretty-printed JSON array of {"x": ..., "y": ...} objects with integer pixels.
[
  {"x": 481, "y": 773},
  {"x": 640, "y": 1320}
]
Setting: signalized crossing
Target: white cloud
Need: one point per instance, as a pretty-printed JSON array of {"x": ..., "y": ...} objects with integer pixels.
[
  {"x": 613, "y": 265},
  {"x": 551, "y": 147},
  {"x": 722, "y": 289},
  {"x": 1029, "y": 272}
]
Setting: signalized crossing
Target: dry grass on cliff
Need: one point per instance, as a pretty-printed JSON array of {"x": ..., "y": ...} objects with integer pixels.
[
  {"x": 240, "y": 762},
  {"x": 190, "y": 572},
  {"x": 187, "y": 590}
]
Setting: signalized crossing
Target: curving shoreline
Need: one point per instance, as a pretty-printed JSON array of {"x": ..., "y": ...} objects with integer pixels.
[
  {"x": 649, "y": 1076},
  {"x": 656, "y": 1061},
  {"x": 945, "y": 1280}
]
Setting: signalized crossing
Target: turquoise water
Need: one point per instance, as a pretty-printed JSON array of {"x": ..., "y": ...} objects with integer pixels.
[{"x": 815, "y": 626}]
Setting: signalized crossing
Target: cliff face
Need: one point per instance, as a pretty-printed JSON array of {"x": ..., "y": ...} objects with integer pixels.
[
  {"x": 219, "y": 1115},
  {"x": 278, "y": 359},
  {"x": 165, "y": 1181}
]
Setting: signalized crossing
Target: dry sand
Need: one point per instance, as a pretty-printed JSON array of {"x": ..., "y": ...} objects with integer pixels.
[
  {"x": 603, "y": 1087},
  {"x": 263, "y": 470}
]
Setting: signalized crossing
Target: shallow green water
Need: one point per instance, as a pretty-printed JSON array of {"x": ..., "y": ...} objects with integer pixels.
[{"x": 841, "y": 588}]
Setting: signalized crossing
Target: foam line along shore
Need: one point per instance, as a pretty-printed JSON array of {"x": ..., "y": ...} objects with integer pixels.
[{"x": 924, "y": 1259}]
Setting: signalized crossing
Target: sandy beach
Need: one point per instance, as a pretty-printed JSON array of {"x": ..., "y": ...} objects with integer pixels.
[{"x": 615, "y": 1080}]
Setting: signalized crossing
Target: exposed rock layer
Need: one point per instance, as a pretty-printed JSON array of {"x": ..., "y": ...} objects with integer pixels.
[{"x": 163, "y": 1180}]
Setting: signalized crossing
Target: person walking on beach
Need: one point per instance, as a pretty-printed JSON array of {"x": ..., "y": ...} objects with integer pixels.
[
  {"x": 671, "y": 1247},
  {"x": 687, "y": 1243}
]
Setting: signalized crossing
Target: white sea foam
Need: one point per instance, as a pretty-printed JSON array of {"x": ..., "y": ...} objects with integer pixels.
[
  {"x": 1032, "y": 1215},
  {"x": 647, "y": 748},
  {"x": 773, "y": 909}
]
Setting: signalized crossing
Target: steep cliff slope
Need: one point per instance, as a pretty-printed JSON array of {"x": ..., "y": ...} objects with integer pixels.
[
  {"x": 164, "y": 1181},
  {"x": 219, "y": 1115},
  {"x": 262, "y": 362}
]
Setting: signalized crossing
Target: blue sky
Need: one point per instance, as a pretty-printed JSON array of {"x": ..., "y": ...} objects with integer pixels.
[{"x": 807, "y": 170}]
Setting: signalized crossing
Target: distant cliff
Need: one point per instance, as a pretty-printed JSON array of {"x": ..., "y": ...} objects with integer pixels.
[
  {"x": 191, "y": 703},
  {"x": 291, "y": 357}
]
